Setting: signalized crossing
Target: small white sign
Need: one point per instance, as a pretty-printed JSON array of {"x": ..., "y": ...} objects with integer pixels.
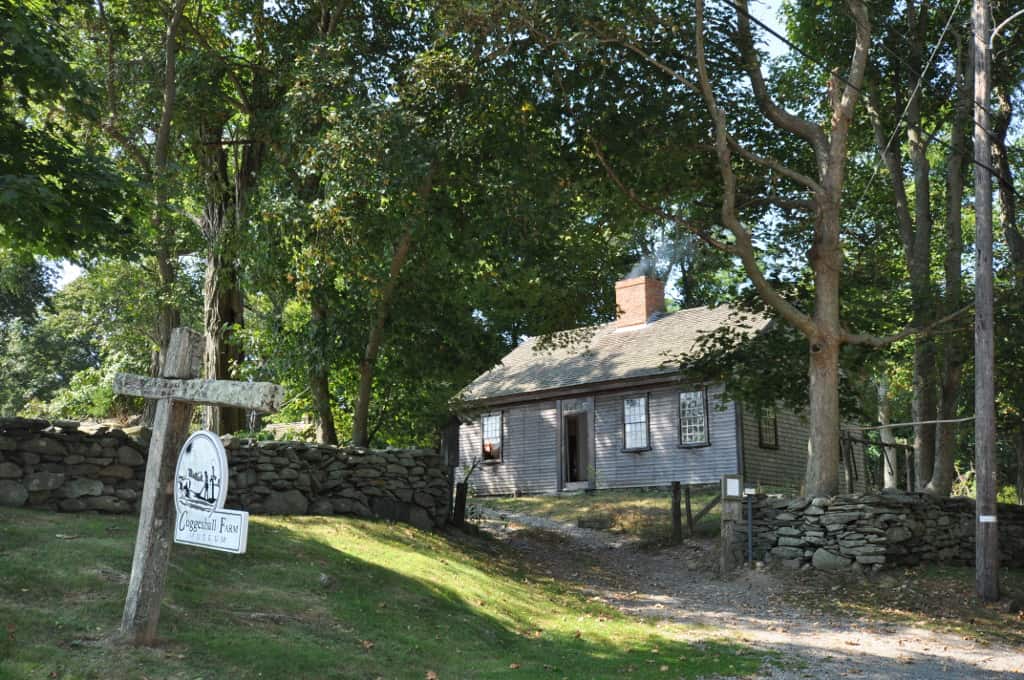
[
  {"x": 200, "y": 489},
  {"x": 226, "y": 530},
  {"x": 732, "y": 486},
  {"x": 987, "y": 519}
]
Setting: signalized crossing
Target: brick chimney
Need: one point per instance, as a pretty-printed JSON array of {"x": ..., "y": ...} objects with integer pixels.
[{"x": 637, "y": 299}]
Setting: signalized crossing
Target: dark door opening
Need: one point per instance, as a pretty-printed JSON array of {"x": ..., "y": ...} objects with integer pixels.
[{"x": 575, "y": 448}]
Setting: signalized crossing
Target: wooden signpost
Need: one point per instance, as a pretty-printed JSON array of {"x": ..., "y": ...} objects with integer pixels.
[{"x": 177, "y": 392}]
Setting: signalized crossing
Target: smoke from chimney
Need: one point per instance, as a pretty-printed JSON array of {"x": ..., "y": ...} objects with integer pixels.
[{"x": 644, "y": 267}]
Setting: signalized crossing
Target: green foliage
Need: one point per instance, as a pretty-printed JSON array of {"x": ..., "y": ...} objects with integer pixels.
[
  {"x": 25, "y": 285},
  {"x": 89, "y": 394},
  {"x": 101, "y": 323},
  {"x": 59, "y": 194}
]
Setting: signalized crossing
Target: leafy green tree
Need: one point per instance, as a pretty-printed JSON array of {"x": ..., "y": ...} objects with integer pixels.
[{"x": 59, "y": 194}]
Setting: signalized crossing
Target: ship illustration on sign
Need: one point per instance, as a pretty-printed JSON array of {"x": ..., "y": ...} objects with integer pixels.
[
  {"x": 199, "y": 487},
  {"x": 200, "y": 475}
]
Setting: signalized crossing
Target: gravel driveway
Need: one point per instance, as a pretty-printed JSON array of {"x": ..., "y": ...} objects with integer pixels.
[{"x": 680, "y": 584}]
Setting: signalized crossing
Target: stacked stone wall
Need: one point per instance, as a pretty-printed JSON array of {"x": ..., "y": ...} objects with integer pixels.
[
  {"x": 858, "y": 531},
  {"x": 59, "y": 467}
]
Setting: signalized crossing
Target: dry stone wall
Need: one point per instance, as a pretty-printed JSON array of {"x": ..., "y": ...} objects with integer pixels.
[
  {"x": 889, "y": 528},
  {"x": 59, "y": 467}
]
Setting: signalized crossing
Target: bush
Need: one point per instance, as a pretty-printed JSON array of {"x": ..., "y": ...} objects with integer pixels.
[{"x": 89, "y": 394}]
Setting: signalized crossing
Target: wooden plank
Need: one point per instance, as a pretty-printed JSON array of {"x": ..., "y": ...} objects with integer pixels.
[
  {"x": 256, "y": 396},
  {"x": 707, "y": 508},
  {"x": 677, "y": 514},
  {"x": 689, "y": 513},
  {"x": 156, "y": 517}
]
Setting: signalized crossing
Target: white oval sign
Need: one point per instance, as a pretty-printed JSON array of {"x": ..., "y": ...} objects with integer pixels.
[{"x": 201, "y": 477}]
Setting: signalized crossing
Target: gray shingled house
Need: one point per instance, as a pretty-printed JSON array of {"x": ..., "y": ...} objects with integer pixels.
[{"x": 613, "y": 410}]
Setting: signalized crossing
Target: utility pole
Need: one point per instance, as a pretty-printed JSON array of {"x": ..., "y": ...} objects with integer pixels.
[{"x": 986, "y": 555}]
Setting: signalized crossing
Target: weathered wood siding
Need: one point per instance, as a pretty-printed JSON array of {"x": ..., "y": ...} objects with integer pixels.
[
  {"x": 666, "y": 461},
  {"x": 784, "y": 468},
  {"x": 529, "y": 451}
]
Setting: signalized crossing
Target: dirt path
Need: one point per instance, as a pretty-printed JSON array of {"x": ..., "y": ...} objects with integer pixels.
[{"x": 679, "y": 584}]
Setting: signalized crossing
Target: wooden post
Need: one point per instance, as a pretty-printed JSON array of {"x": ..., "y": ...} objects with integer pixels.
[
  {"x": 677, "y": 515},
  {"x": 459, "y": 511},
  {"x": 987, "y": 534},
  {"x": 732, "y": 512},
  {"x": 689, "y": 513},
  {"x": 156, "y": 518},
  {"x": 177, "y": 395}
]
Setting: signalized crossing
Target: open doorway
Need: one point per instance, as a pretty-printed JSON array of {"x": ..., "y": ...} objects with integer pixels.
[{"x": 576, "y": 459}]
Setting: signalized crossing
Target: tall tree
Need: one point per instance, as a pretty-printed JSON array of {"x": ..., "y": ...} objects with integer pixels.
[{"x": 912, "y": 95}]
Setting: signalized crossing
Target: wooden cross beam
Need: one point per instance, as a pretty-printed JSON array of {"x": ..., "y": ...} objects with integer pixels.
[
  {"x": 177, "y": 393},
  {"x": 256, "y": 396}
]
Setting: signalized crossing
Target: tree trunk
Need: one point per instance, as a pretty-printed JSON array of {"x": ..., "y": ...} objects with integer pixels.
[
  {"x": 1019, "y": 446},
  {"x": 890, "y": 459},
  {"x": 360, "y": 420},
  {"x": 319, "y": 374},
  {"x": 169, "y": 316},
  {"x": 223, "y": 311},
  {"x": 823, "y": 330},
  {"x": 822, "y": 475},
  {"x": 1015, "y": 247},
  {"x": 224, "y": 219},
  {"x": 953, "y": 350}
]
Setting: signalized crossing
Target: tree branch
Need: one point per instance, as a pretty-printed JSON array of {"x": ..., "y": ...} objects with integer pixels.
[
  {"x": 870, "y": 340},
  {"x": 893, "y": 163},
  {"x": 814, "y": 135},
  {"x": 110, "y": 125},
  {"x": 842, "y": 113},
  {"x": 744, "y": 247},
  {"x": 775, "y": 165},
  {"x": 665, "y": 68}
]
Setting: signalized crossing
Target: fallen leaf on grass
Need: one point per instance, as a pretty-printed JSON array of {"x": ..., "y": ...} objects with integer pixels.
[{"x": 367, "y": 645}]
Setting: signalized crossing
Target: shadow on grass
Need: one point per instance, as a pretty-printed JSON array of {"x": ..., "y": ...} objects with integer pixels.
[{"x": 315, "y": 598}]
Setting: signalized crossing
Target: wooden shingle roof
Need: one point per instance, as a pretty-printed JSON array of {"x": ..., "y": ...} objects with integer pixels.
[{"x": 606, "y": 353}]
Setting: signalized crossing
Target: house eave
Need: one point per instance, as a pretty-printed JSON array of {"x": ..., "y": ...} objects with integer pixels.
[{"x": 570, "y": 391}]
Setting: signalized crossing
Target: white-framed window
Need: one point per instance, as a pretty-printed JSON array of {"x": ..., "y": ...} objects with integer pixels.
[
  {"x": 767, "y": 429},
  {"x": 490, "y": 426},
  {"x": 635, "y": 433},
  {"x": 693, "y": 418}
]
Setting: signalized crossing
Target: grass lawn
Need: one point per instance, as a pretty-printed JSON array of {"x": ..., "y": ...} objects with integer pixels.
[
  {"x": 397, "y": 603},
  {"x": 645, "y": 513}
]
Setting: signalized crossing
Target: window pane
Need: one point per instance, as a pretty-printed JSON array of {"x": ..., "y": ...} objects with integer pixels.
[
  {"x": 491, "y": 426},
  {"x": 635, "y": 421},
  {"x": 767, "y": 427},
  {"x": 693, "y": 420}
]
